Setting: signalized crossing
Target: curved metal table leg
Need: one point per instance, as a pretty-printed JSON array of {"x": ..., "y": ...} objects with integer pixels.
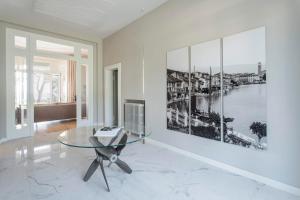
[
  {"x": 91, "y": 170},
  {"x": 124, "y": 166},
  {"x": 107, "y": 153},
  {"x": 93, "y": 167},
  {"x": 103, "y": 173}
]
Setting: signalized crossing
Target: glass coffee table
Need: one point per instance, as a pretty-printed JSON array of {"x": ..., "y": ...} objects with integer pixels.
[{"x": 106, "y": 148}]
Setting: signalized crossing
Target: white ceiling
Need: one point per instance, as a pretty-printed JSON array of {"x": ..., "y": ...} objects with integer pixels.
[{"x": 100, "y": 17}]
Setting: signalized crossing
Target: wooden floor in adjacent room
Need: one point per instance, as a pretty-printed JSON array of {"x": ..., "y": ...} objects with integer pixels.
[{"x": 55, "y": 126}]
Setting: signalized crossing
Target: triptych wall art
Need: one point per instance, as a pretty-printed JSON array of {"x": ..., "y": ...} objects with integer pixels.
[{"x": 217, "y": 89}]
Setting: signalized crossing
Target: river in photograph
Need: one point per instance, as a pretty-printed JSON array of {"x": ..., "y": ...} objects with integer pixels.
[{"x": 245, "y": 103}]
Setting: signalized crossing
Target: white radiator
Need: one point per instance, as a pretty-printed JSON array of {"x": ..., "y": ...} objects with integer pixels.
[{"x": 134, "y": 118}]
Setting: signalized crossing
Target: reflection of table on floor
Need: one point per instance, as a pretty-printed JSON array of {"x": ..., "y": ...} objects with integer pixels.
[{"x": 106, "y": 148}]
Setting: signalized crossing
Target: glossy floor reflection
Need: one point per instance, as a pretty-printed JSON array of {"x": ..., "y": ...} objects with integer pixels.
[{"x": 41, "y": 168}]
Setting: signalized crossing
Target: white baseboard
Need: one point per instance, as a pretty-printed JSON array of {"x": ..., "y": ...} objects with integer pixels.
[{"x": 229, "y": 168}]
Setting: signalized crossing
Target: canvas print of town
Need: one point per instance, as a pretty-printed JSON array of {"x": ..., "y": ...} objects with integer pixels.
[
  {"x": 206, "y": 90},
  {"x": 177, "y": 90},
  {"x": 244, "y": 90}
]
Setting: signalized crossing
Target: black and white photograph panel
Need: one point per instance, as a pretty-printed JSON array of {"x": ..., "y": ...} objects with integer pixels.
[
  {"x": 206, "y": 90},
  {"x": 177, "y": 90},
  {"x": 245, "y": 89}
]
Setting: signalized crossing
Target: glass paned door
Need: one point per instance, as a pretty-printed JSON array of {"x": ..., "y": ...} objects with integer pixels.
[
  {"x": 82, "y": 93},
  {"x": 84, "y": 87},
  {"x": 21, "y": 100},
  {"x": 19, "y": 109},
  {"x": 46, "y": 70}
]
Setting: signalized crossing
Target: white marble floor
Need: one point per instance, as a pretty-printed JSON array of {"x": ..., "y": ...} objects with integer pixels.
[{"x": 41, "y": 168}]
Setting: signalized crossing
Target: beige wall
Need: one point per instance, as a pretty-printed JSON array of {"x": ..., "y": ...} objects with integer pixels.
[
  {"x": 2, "y": 83},
  {"x": 181, "y": 23},
  {"x": 76, "y": 37}
]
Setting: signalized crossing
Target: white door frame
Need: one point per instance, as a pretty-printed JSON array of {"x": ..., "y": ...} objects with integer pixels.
[
  {"x": 106, "y": 92},
  {"x": 29, "y": 53},
  {"x": 11, "y": 52}
]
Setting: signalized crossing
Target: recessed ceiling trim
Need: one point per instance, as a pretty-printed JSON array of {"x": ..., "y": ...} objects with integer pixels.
[{"x": 99, "y": 17}]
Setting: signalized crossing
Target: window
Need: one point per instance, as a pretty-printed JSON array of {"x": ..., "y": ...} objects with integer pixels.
[
  {"x": 84, "y": 53},
  {"x": 46, "y": 88},
  {"x": 54, "y": 48},
  {"x": 21, "y": 99},
  {"x": 20, "y": 42},
  {"x": 84, "y": 78}
]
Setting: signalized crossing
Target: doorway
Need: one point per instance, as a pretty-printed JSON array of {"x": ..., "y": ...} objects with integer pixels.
[
  {"x": 112, "y": 95},
  {"x": 49, "y": 81},
  {"x": 54, "y": 94}
]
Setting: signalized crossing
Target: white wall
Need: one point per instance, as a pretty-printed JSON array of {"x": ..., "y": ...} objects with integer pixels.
[
  {"x": 108, "y": 97},
  {"x": 76, "y": 37},
  {"x": 2, "y": 83},
  {"x": 99, "y": 77},
  {"x": 180, "y": 23}
]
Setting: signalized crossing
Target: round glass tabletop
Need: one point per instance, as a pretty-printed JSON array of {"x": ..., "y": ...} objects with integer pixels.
[{"x": 84, "y": 137}]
